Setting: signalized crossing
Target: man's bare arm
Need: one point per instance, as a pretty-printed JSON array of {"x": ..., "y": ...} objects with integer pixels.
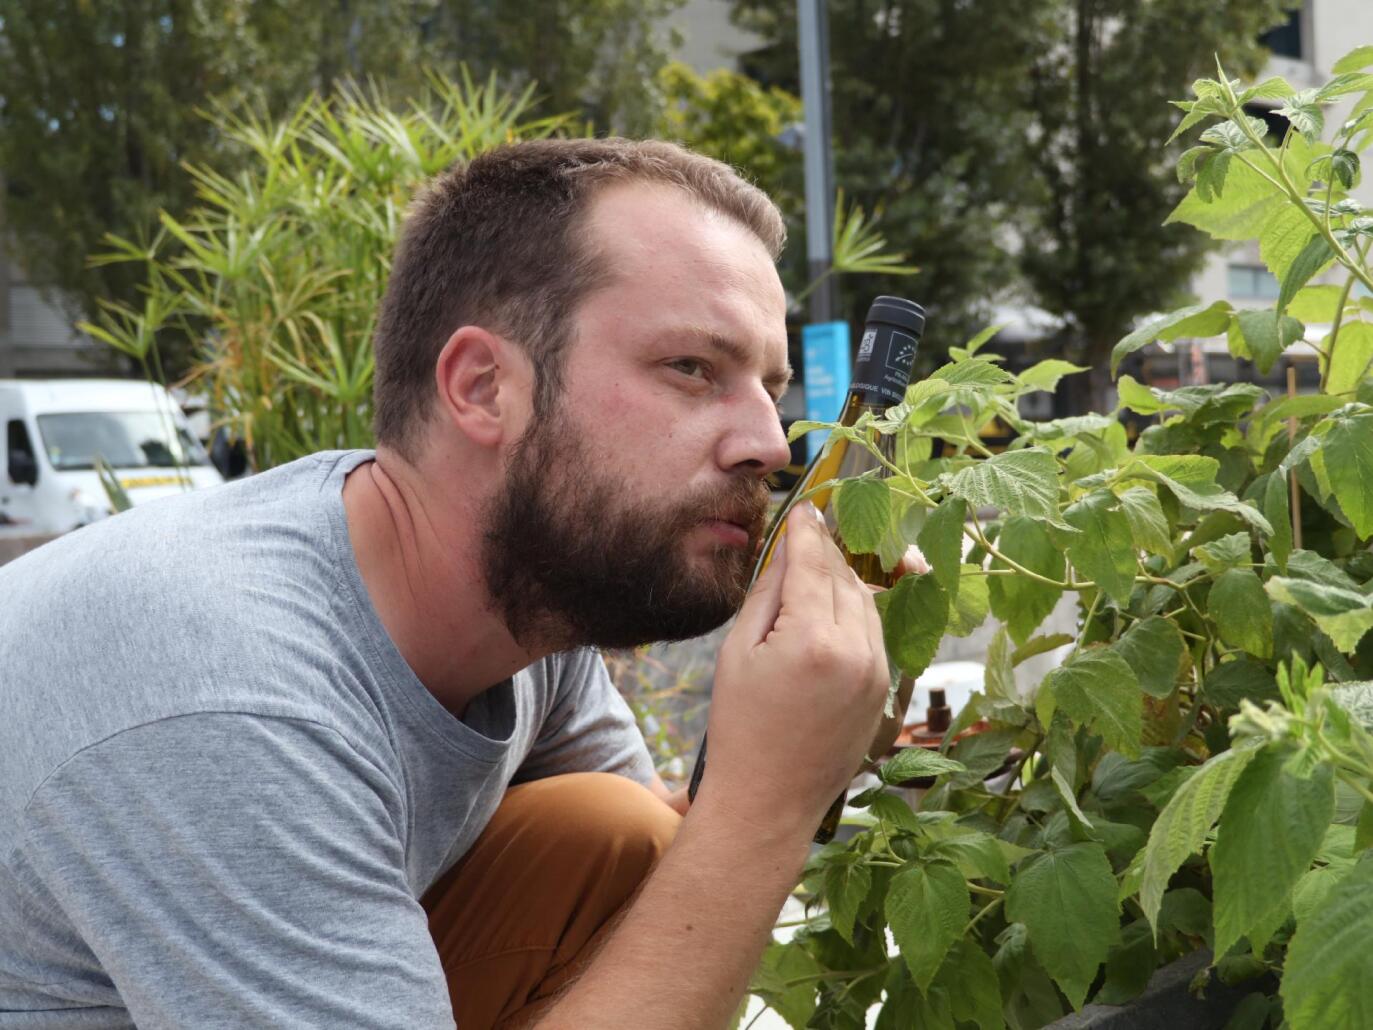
[{"x": 799, "y": 690}]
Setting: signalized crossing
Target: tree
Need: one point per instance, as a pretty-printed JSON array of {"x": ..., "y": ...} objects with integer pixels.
[
  {"x": 928, "y": 116},
  {"x": 102, "y": 102},
  {"x": 1096, "y": 249}
]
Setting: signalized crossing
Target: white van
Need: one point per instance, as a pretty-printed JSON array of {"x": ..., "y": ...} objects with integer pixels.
[{"x": 55, "y": 429}]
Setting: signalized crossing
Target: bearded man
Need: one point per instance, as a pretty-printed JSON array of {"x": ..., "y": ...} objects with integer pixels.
[{"x": 331, "y": 745}]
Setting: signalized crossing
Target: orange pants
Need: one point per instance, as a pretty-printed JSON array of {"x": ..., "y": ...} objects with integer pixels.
[{"x": 522, "y": 912}]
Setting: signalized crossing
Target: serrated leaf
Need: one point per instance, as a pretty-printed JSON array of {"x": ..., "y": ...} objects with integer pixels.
[
  {"x": 863, "y": 511},
  {"x": 1343, "y": 615},
  {"x": 1313, "y": 257},
  {"x": 1103, "y": 551},
  {"x": 1181, "y": 827},
  {"x": 941, "y": 542},
  {"x": 1267, "y": 335},
  {"x": 910, "y": 762},
  {"x": 1273, "y": 88},
  {"x": 1302, "y": 110},
  {"x": 1040, "y": 645},
  {"x": 1350, "y": 354},
  {"x": 978, "y": 856},
  {"x": 1044, "y": 375},
  {"x": 1148, "y": 525},
  {"x": 1227, "y": 552},
  {"x": 1192, "y": 480},
  {"x": 1348, "y": 451},
  {"x": 972, "y": 604},
  {"x": 1067, "y": 901},
  {"x": 973, "y": 372},
  {"x": 1269, "y": 832},
  {"x": 1277, "y": 511},
  {"x": 1241, "y": 678},
  {"x": 1153, "y": 647},
  {"x": 782, "y": 965},
  {"x": 1329, "y": 962},
  {"x": 1315, "y": 303},
  {"x": 914, "y": 614},
  {"x": 1016, "y": 482},
  {"x": 974, "y": 991},
  {"x": 1196, "y": 320},
  {"x": 1018, "y": 601},
  {"x": 1096, "y": 688},
  {"x": 927, "y": 906},
  {"x": 846, "y": 886},
  {"x": 1239, "y": 607},
  {"x": 1359, "y": 57}
]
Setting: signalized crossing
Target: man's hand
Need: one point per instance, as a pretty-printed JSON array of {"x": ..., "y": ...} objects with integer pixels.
[{"x": 799, "y": 687}]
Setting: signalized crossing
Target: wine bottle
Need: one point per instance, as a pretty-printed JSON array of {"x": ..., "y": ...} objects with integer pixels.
[{"x": 881, "y": 373}]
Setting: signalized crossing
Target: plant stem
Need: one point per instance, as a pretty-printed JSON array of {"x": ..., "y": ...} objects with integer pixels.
[
  {"x": 990, "y": 892},
  {"x": 982, "y": 912},
  {"x": 975, "y": 532}
]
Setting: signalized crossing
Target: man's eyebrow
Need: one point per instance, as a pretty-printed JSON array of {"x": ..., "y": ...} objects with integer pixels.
[{"x": 776, "y": 378}]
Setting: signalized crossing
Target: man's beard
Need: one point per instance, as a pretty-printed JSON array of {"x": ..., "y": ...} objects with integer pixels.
[{"x": 569, "y": 562}]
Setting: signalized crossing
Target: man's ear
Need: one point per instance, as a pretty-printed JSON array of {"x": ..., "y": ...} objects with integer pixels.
[{"x": 479, "y": 378}]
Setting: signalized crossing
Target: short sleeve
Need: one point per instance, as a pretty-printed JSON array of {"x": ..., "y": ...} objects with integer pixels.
[
  {"x": 227, "y": 869},
  {"x": 590, "y": 727}
]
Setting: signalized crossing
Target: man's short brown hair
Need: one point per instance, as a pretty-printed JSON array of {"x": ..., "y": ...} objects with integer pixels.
[{"x": 495, "y": 243}]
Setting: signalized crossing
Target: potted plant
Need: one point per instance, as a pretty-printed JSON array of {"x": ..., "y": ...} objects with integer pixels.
[{"x": 1198, "y": 773}]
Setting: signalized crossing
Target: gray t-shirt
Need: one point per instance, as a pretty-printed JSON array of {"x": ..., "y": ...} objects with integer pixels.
[{"x": 222, "y": 789}]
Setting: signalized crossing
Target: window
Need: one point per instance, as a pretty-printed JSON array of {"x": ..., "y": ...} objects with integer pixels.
[
  {"x": 19, "y": 456},
  {"x": 125, "y": 439},
  {"x": 1285, "y": 39},
  {"x": 1252, "y": 282}
]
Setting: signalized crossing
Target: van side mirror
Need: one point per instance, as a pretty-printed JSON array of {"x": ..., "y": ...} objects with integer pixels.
[{"x": 23, "y": 469}]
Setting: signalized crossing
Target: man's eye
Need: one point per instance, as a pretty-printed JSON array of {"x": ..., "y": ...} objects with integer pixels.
[{"x": 692, "y": 367}]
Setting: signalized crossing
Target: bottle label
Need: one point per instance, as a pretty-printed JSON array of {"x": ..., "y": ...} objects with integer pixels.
[{"x": 882, "y": 368}]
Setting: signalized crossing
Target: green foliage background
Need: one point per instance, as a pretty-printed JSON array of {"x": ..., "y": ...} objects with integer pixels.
[{"x": 1198, "y": 770}]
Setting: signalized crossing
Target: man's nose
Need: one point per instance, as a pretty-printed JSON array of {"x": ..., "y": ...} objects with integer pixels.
[{"x": 755, "y": 441}]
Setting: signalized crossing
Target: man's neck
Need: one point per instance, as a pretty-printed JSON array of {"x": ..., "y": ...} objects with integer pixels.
[{"x": 423, "y": 575}]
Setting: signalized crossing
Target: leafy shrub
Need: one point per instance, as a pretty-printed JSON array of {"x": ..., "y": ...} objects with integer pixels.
[{"x": 1199, "y": 770}]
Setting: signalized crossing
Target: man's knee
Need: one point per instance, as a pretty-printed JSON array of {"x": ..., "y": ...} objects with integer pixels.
[{"x": 601, "y": 814}]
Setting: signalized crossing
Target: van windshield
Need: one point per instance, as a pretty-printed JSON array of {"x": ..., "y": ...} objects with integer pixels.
[{"x": 125, "y": 439}]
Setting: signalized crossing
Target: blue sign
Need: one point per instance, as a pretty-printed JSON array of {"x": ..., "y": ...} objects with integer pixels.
[{"x": 825, "y": 371}]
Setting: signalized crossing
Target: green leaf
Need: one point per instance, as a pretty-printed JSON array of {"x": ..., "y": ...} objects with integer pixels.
[
  {"x": 974, "y": 991},
  {"x": 1316, "y": 303},
  {"x": 1018, "y": 601},
  {"x": 1148, "y": 525},
  {"x": 1153, "y": 647},
  {"x": 1228, "y": 552},
  {"x": 1040, "y": 645},
  {"x": 927, "y": 906},
  {"x": 1044, "y": 375},
  {"x": 846, "y": 887},
  {"x": 1277, "y": 512},
  {"x": 1270, "y": 829},
  {"x": 1103, "y": 551},
  {"x": 1137, "y": 397},
  {"x": 1095, "y": 688},
  {"x": 1267, "y": 335},
  {"x": 914, "y": 614},
  {"x": 975, "y": 344},
  {"x": 1181, "y": 827},
  {"x": 973, "y": 372},
  {"x": 1313, "y": 889},
  {"x": 863, "y": 510},
  {"x": 1343, "y": 615},
  {"x": 1329, "y": 961},
  {"x": 1067, "y": 901},
  {"x": 1239, "y": 607},
  {"x": 1363, "y": 832},
  {"x": 1303, "y": 111},
  {"x": 972, "y": 603},
  {"x": 782, "y": 965},
  {"x": 941, "y": 541},
  {"x": 1192, "y": 480},
  {"x": 1349, "y": 460},
  {"x": 1313, "y": 257},
  {"x": 1350, "y": 354},
  {"x": 1197, "y": 320},
  {"x": 1129, "y": 966},
  {"x": 1241, "y": 678},
  {"x": 1017, "y": 482},
  {"x": 910, "y": 762},
  {"x": 1359, "y": 57},
  {"x": 978, "y": 856}
]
